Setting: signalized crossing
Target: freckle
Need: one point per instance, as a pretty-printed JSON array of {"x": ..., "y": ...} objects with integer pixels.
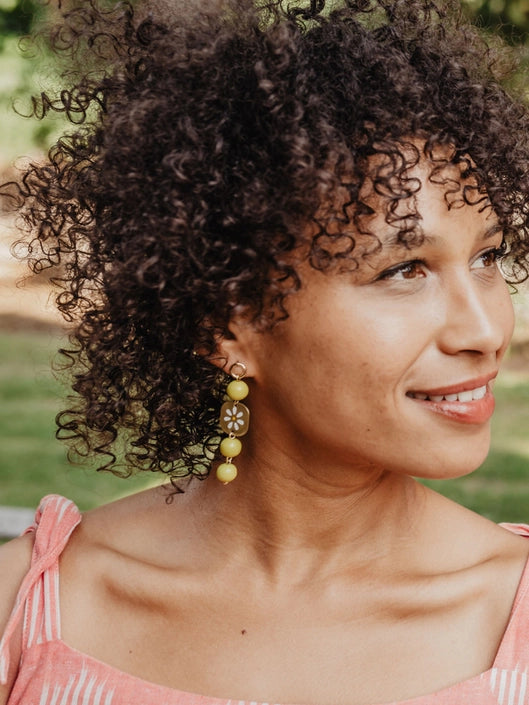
[{"x": 243, "y": 631}]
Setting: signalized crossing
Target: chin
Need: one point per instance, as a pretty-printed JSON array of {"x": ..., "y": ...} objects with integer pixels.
[{"x": 451, "y": 471}]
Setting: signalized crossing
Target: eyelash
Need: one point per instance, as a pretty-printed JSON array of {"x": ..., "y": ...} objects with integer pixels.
[
  {"x": 400, "y": 269},
  {"x": 497, "y": 253}
]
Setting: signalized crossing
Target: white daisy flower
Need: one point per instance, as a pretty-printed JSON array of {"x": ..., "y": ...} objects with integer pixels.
[{"x": 234, "y": 419}]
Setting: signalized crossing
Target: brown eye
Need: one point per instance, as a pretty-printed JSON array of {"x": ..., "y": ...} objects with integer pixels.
[
  {"x": 406, "y": 270},
  {"x": 490, "y": 257},
  {"x": 412, "y": 270}
]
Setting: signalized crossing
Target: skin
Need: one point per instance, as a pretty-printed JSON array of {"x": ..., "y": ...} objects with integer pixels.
[{"x": 301, "y": 580}]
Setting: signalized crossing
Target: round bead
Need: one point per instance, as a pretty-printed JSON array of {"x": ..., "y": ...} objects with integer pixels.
[
  {"x": 237, "y": 390},
  {"x": 226, "y": 472},
  {"x": 230, "y": 447}
]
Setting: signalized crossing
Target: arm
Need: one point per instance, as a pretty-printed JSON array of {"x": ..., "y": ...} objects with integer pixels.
[{"x": 15, "y": 558}]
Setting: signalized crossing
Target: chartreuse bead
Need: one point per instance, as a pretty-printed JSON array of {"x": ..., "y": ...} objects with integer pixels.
[
  {"x": 226, "y": 472},
  {"x": 237, "y": 390},
  {"x": 230, "y": 447}
]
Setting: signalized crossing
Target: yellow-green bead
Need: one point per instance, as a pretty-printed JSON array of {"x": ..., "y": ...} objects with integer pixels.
[
  {"x": 230, "y": 447},
  {"x": 226, "y": 472},
  {"x": 237, "y": 390}
]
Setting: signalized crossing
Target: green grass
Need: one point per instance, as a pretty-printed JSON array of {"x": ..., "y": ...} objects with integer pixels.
[{"x": 33, "y": 463}]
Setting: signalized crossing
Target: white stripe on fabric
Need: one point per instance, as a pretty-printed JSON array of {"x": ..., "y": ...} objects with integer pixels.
[
  {"x": 57, "y": 616},
  {"x": 98, "y": 694},
  {"x": 33, "y": 617},
  {"x": 56, "y": 695},
  {"x": 69, "y": 686},
  {"x": 77, "y": 691},
  {"x": 493, "y": 674},
  {"x": 88, "y": 690},
  {"x": 523, "y": 688},
  {"x": 503, "y": 683},
  {"x": 62, "y": 505},
  {"x": 512, "y": 688},
  {"x": 48, "y": 598},
  {"x": 44, "y": 695}
]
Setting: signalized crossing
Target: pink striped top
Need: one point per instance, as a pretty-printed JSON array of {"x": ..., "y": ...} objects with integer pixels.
[{"x": 53, "y": 673}]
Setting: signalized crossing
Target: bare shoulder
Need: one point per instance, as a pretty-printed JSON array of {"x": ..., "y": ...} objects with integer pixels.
[
  {"x": 470, "y": 538},
  {"x": 15, "y": 559},
  {"x": 119, "y": 557},
  {"x": 142, "y": 529},
  {"x": 487, "y": 557}
]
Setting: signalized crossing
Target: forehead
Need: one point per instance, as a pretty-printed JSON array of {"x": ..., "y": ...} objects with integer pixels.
[
  {"x": 399, "y": 175},
  {"x": 410, "y": 193},
  {"x": 407, "y": 193}
]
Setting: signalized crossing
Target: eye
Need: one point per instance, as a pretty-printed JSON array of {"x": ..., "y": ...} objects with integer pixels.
[
  {"x": 490, "y": 257},
  {"x": 407, "y": 270}
]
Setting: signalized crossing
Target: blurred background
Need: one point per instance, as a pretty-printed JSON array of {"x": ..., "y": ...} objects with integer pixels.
[{"x": 32, "y": 462}]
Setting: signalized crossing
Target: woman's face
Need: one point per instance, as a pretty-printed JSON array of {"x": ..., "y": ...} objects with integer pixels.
[{"x": 391, "y": 366}]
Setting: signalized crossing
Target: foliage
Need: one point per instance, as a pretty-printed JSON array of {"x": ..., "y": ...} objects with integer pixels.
[
  {"x": 20, "y": 72},
  {"x": 508, "y": 17},
  {"x": 17, "y": 17}
]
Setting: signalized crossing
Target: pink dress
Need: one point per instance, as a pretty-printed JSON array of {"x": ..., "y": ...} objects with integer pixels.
[{"x": 53, "y": 673}]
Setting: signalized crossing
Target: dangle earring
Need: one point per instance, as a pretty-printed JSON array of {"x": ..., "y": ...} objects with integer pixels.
[{"x": 234, "y": 420}]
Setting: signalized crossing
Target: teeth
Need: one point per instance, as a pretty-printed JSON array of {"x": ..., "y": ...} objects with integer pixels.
[
  {"x": 465, "y": 396},
  {"x": 468, "y": 395},
  {"x": 479, "y": 393}
]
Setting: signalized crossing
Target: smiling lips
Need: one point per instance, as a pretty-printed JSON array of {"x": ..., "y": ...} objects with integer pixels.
[
  {"x": 471, "y": 406},
  {"x": 467, "y": 395}
]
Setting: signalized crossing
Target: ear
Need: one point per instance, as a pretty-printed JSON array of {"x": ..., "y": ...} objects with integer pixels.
[{"x": 238, "y": 346}]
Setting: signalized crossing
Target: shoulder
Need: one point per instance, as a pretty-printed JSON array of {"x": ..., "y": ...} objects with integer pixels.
[
  {"x": 137, "y": 525},
  {"x": 15, "y": 561},
  {"x": 129, "y": 547},
  {"x": 139, "y": 531},
  {"x": 123, "y": 556},
  {"x": 469, "y": 539},
  {"x": 487, "y": 561}
]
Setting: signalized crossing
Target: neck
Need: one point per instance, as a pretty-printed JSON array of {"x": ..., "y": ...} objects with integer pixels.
[{"x": 297, "y": 524}]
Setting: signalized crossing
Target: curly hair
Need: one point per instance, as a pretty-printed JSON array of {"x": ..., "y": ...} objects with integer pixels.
[{"x": 204, "y": 142}]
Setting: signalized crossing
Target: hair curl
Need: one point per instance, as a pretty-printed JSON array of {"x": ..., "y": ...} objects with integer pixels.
[{"x": 204, "y": 141}]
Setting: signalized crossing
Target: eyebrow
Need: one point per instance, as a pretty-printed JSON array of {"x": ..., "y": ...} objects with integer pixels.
[
  {"x": 490, "y": 232},
  {"x": 429, "y": 238}
]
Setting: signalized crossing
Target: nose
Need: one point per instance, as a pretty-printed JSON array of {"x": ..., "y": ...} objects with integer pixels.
[{"x": 478, "y": 317}]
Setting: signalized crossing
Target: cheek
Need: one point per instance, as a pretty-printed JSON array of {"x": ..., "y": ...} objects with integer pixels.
[{"x": 509, "y": 318}]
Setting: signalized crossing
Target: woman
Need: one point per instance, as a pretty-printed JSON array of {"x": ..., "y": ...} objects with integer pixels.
[{"x": 319, "y": 204}]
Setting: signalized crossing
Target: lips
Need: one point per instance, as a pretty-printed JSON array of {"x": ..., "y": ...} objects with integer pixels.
[
  {"x": 468, "y": 402},
  {"x": 464, "y": 396}
]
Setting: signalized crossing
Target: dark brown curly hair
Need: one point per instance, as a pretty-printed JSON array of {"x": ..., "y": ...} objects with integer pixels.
[{"x": 205, "y": 139}]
